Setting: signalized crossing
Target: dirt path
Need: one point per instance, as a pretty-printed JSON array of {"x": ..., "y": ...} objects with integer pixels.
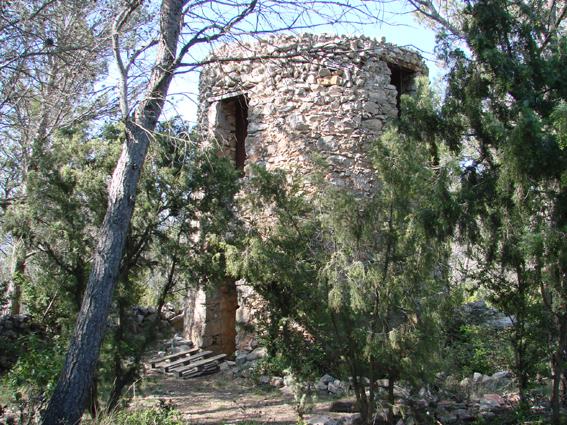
[{"x": 220, "y": 399}]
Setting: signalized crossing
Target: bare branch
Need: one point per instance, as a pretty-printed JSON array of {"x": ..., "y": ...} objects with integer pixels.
[
  {"x": 430, "y": 11},
  {"x": 222, "y": 30}
]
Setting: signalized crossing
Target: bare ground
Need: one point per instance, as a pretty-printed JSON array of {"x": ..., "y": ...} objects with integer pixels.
[{"x": 221, "y": 399}]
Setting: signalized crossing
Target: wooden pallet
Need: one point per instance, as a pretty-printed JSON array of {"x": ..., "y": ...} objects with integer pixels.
[
  {"x": 160, "y": 361},
  {"x": 185, "y": 360},
  {"x": 188, "y": 364},
  {"x": 201, "y": 367}
]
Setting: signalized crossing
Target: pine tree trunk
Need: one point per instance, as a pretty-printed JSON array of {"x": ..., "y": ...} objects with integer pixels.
[
  {"x": 519, "y": 341},
  {"x": 391, "y": 399},
  {"x": 557, "y": 370},
  {"x": 71, "y": 393},
  {"x": 17, "y": 272},
  {"x": 16, "y": 286}
]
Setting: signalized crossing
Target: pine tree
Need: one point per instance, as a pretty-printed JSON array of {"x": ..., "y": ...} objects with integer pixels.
[{"x": 507, "y": 89}]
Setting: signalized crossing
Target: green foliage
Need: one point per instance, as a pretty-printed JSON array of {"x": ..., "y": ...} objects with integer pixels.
[
  {"x": 479, "y": 348},
  {"x": 354, "y": 283},
  {"x": 165, "y": 250},
  {"x": 32, "y": 379},
  {"x": 163, "y": 414},
  {"x": 283, "y": 269},
  {"x": 509, "y": 91},
  {"x": 180, "y": 186},
  {"x": 271, "y": 366},
  {"x": 66, "y": 197}
]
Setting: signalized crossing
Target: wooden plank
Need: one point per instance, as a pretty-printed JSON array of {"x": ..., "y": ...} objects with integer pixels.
[
  {"x": 191, "y": 367},
  {"x": 201, "y": 372},
  {"x": 154, "y": 362},
  {"x": 184, "y": 360},
  {"x": 174, "y": 355},
  {"x": 199, "y": 366}
]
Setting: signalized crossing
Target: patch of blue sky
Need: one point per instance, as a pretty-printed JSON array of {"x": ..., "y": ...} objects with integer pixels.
[{"x": 392, "y": 20}]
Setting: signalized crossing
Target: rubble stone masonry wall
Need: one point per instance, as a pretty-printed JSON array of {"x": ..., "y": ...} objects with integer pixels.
[
  {"x": 304, "y": 95},
  {"x": 286, "y": 100}
]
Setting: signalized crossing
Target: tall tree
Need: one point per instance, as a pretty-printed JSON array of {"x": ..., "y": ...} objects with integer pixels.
[
  {"x": 47, "y": 83},
  {"x": 183, "y": 24},
  {"x": 509, "y": 89}
]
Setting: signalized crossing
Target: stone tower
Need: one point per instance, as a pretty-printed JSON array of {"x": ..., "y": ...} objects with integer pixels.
[{"x": 278, "y": 101}]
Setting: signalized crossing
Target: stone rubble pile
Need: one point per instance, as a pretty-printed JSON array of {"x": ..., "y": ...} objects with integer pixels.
[
  {"x": 170, "y": 317},
  {"x": 245, "y": 362},
  {"x": 11, "y": 328},
  {"x": 479, "y": 397},
  {"x": 480, "y": 313},
  {"x": 176, "y": 344}
]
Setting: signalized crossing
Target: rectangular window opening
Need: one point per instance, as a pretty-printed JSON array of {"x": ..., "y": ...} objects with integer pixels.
[
  {"x": 234, "y": 112},
  {"x": 403, "y": 80}
]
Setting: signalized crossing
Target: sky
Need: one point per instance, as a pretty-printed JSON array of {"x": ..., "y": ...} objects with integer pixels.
[{"x": 398, "y": 26}]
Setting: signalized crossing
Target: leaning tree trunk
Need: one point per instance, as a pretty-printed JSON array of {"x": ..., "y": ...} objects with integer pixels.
[{"x": 71, "y": 393}]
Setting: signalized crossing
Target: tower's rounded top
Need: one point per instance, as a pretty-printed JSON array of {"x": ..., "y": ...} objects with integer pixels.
[{"x": 306, "y": 45}]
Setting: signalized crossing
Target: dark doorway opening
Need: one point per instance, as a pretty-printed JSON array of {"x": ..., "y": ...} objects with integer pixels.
[
  {"x": 221, "y": 319},
  {"x": 403, "y": 80},
  {"x": 235, "y": 112}
]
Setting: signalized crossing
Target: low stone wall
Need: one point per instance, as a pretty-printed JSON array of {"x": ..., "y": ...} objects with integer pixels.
[{"x": 12, "y": 328}]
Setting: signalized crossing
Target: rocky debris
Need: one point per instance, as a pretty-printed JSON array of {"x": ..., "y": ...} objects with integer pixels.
[
  {"x": 337, "y": 388},
  {"x": 480, "y": 313},
  {"x": 351, "y": 419},
  {"x": 256, "y": 354},
  {"x": 174, "y": 345},
  {"x": 326, "y": 379},
  {"x": 246, "y": 361},
  {"x": 480, "y": 396},
  {"x": 479, "y": 384},
  {"x": 178, "y": 344},
  {"x": 141, "y": 318},
  {"x": 169, "y": 314},
  {"x": 491, "y": 402},
  {"x": 329, "y": 385},
  {"x": 13, "y": 327},
  {"x": 241, "y": 359}
]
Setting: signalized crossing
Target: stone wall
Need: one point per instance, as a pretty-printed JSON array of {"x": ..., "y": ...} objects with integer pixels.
[
  {"x": 305, "y": 95},
  {"x": 210, "y": 319},
  {"x": 287, "y": 101}
]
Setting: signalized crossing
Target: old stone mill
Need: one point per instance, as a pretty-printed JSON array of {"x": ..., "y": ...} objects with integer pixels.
[{"x": 276, "y": 102}]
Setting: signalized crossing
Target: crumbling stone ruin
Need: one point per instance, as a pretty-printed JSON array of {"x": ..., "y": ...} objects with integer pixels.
[{"x": 280, "y": 102}]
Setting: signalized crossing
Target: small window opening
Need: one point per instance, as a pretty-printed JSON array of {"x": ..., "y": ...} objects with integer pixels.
[
  {"x": 403, "y": 80},
  {"x": 234, "y": 112}
]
